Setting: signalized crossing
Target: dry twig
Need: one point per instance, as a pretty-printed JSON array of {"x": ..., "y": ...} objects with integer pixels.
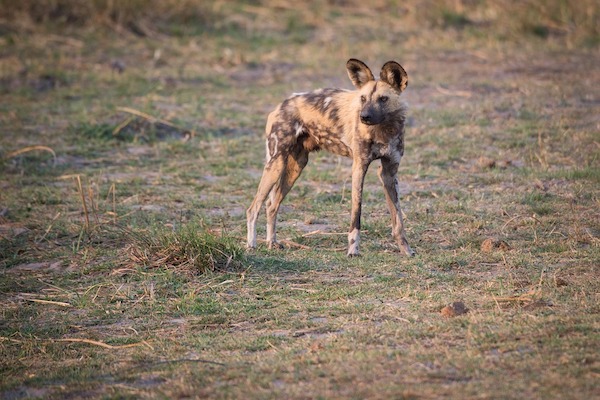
[
  {"x": 145, "y": 116},
  {"x": 56, "y": 303},
  {"x": 102, "y": 344},
  {"x": 459, "y": 93},
  {"x": 83, "y": 202},
  {"x": 32, "y": 148}
]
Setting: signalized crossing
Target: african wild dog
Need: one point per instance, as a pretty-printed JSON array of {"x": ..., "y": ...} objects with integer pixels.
[{"x": 366, "y": 124}]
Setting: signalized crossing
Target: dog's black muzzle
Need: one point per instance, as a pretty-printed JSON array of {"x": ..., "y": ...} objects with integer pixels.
[
  {"x": 370, "y": 116},
  {"x": 368, "y": 119}
]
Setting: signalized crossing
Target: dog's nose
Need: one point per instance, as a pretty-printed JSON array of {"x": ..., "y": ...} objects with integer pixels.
[{"x": 365, "y": 118}]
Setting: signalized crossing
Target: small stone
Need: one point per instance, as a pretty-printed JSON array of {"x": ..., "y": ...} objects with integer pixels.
[
  {"x": 310, "y": 220},
  {"x": 489, "y": 245},
  {"x": 558, "y": 281},
  {"x": 537, "y": 304},
  {"x": 118, "y": 66},
  {"x": 503, "y": 164},
  {"x": 502, "y": 245},
  {"x": 9, "y": 231},
  {"x": 538, "y": 184},
  {"x": 486, "y": 162},
  {"x": 455, "y": 309}
]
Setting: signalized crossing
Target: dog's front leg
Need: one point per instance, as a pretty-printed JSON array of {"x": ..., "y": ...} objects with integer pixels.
[
  {"x": 387, "y": 176},
  {"x": 359, "y": 169}
]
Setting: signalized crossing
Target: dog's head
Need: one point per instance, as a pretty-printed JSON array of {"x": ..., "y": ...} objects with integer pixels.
[{"x": 379, "y": 100}]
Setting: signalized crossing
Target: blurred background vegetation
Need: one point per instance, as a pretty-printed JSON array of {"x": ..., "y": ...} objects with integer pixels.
[{"x": 574, "y": 23}]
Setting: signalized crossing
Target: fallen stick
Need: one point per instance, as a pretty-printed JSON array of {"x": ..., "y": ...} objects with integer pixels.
[
  {"x": 524, "y": 297},
  {"x": 320, "y": 232},
  {"x": 87, "y": 341},
  {"x": 294, "y": 244},
  {"x": 56, "y": 303},
  {"x": 459, "y": 93},
  {"x": 284, "y": 241},
  {"x": 101, "y": 344},
  {"x": 32, "y": 148}
]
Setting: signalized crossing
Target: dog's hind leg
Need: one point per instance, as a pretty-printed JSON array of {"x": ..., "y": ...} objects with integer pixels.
[
  {"x": 387, "y": 176},
  {"x": 292, "y": 168},
  {"x": 272, "y": 174}
]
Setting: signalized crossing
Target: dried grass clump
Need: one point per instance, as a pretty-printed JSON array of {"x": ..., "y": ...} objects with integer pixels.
[{"x": 189, "y": 248}]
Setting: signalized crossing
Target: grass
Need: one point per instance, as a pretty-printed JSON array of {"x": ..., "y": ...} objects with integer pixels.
[
  {"x": 189, "y": 247},
  {"x": 122, "y": 269}
]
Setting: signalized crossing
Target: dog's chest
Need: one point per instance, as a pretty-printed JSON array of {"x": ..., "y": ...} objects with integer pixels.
[{"x": 392, "y": 148}]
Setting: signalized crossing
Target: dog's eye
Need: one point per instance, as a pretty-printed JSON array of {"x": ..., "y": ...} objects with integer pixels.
[
  {"x": 363, "y": 99},
  {"x": 383, "y": 99}
]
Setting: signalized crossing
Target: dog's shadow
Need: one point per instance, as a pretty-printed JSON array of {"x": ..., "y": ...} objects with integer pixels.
[{"x": 261, "y": 263}]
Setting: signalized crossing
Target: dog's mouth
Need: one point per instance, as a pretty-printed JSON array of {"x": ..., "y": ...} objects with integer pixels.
[{"x": 368, "y": 121}]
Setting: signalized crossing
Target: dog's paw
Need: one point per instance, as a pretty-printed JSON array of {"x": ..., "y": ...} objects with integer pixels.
[
  {"x": 274, "y": 245},
  {"x": 408, "y": 251}
]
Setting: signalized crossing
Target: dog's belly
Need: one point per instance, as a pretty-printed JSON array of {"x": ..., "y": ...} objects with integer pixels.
[
  {"x": 340, "y": 148},
  {"x": 316, "y": 137}
]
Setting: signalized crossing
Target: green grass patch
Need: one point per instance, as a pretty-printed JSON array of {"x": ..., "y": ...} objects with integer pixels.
[
  {"x": 589, "y": 173},
  {"x": 190, "y": 247}
]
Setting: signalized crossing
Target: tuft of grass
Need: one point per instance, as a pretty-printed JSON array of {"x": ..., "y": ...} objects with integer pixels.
[
  {"x": 102, "y": 131},
  {"x": 191, "y": 247}
]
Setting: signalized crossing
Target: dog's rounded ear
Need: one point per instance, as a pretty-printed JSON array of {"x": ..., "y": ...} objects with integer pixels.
[
  {"x": 358, "y": 72},
  {"x": 393, "y": 74}
]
